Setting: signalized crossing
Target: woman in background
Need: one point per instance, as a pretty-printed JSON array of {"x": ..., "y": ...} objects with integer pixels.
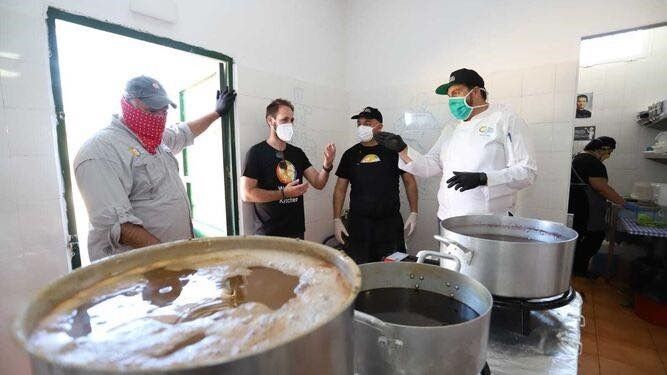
[{"x": 589, "y": 193}]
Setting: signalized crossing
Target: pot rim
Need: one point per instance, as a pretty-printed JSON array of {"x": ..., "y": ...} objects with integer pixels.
[
  {"x": 572, "y": 235},
  {"x": 347, "y": 267},
  {"x": 475, "y": 283}
]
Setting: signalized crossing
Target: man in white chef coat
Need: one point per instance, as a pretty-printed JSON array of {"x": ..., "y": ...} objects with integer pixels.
[{"x": 483, "y": 157}]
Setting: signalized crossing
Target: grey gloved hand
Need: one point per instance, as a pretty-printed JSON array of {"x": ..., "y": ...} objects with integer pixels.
[
  {"x": 391, "y": 141},
  {"x": 463, "y": 181},
  {"x": 225, "y": 101}
]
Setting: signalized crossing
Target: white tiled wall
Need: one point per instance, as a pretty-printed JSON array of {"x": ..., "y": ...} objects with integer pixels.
[
  {"x": 620, "y": 90},
  {"x": 545, "y": 103},
  {"x": 32, "y": 239}
]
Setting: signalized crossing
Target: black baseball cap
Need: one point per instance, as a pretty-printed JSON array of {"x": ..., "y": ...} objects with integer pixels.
[
  {"x": 369, "y": 113},
  {"x": 464, "y": 76}
]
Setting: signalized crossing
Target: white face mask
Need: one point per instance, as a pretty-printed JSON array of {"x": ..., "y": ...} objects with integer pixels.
[
  {"x": 285, "y": 132},
  {"x": 364, "y": 133}
]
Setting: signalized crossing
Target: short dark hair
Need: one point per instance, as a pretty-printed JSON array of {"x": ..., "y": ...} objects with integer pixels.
[
  {"x": 582, "y": 96},
  {"x": 601, "y": 143},
  {"x": 274, "y": 106}
]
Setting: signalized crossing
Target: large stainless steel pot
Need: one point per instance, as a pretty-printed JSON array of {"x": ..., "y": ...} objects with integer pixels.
[
  {"x": 511, "y": 256},
  {"x": 388, "y": 348},
  {"x": 325, "y": 349}
]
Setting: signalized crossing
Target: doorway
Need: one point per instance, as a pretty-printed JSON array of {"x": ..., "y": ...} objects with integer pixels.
[{"x": 90, "y": 62}]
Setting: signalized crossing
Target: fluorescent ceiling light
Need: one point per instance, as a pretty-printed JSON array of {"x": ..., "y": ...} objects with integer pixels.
[
  {"x": 9, "y": 74},
  {"x": 10, "y": 55}
]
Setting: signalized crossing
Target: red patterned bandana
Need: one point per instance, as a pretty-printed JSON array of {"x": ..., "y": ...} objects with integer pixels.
[{"x": 146, "y": 126}]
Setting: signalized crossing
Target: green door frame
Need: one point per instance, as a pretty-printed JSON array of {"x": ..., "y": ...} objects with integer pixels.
[{"x": 228, "y": 131}]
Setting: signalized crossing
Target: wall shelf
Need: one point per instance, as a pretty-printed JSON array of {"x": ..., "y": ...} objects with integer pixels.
[
  {"x": 660, "y": 124},
  {"x": 655, "y": 117},
  {"x": 657, "y": 156}
]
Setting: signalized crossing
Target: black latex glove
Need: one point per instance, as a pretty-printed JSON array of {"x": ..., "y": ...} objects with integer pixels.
[
  {"x": 391, "y": 141},
  {"x": 463, "y": 181},
  {"x": 225, "y": 101}
]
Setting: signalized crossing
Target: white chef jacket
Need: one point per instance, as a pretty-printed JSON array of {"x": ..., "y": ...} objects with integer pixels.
[{"x": 492, "y": 142}]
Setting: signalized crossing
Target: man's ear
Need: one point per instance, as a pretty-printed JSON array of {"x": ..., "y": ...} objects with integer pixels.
[
  {"x": 380, "y": 126},
  {"x": 268, "y": 122}
]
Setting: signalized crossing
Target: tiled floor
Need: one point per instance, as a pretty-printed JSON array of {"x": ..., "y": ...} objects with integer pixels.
[{"x": 615, "y": 340}]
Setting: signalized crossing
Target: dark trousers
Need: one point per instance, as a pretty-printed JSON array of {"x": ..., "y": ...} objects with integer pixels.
[
  {"x": 371, "y": 239},
  {"x": 588, "y": 244}
]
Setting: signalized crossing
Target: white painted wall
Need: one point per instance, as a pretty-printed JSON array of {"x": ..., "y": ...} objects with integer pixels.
[
  {"x": 291, "y": 49},
  {"x": 399, "y": 51},
  {"x": 620, "y": 90}
]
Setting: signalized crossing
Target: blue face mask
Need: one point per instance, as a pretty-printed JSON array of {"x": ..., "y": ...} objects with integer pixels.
[{"x": 460, "y": 108}]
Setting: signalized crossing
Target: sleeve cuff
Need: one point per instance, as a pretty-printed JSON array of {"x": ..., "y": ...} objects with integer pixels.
[
  {"x": 494, "y": 178},
  {"x": 187, "y": 132},
  {"x": 123, "y": 216},
  {"x": 414, "y": 155}
]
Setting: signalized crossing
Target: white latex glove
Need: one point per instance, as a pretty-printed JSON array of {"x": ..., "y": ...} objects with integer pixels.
[
  {"x": 411, "y": 223},
  {"x": 339, "y": 230}
]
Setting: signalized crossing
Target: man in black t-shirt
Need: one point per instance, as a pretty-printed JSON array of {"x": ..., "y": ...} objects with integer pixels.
[
  {"x": 273, "y": 175},
  {"x": 375, "y": 225},
  {"x": 589, "y": 192}
]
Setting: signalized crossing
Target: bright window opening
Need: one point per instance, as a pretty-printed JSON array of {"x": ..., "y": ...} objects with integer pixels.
[{"x": 626, "y": 46}]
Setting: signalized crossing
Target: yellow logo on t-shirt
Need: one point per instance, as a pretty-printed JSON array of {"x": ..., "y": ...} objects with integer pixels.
[
  {"x": 370, "y": 158},
  {"x": 286, "y": 172}
]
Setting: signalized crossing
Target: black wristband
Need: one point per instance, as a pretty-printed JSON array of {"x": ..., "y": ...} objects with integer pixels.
[
  {"x": 327, "y": 169},
  {"x": 483, "y": 179}
]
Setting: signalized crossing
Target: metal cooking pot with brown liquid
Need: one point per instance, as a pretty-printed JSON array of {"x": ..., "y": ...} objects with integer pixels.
[{"x": 326, "y": 348}]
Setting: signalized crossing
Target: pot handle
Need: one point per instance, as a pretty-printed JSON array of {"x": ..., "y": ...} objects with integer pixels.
[
  {"x": 385, "y": 340},
  {"x": 465, "y": 255},
  {"x": 435, "y": 254},
  {"x": 370, "y": 321}
]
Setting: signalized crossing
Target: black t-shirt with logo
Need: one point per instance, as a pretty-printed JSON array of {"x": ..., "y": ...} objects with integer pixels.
[
  {"x": 373, "y": 174},
  {"x": 264, "y": 164}
]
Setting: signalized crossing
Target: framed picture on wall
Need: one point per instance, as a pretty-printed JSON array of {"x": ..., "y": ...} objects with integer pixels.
[
  {"x": 584, "y": 105},
  {"x": 584, "y": 133}
]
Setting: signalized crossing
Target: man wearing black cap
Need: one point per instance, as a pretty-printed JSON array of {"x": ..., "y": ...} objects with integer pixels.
[
  {"x": 483, "y": 157},
  {"x": 589, "y": 192},
  {"x": 128, "y": 175},
  {"x": 375, "y": 226}
]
